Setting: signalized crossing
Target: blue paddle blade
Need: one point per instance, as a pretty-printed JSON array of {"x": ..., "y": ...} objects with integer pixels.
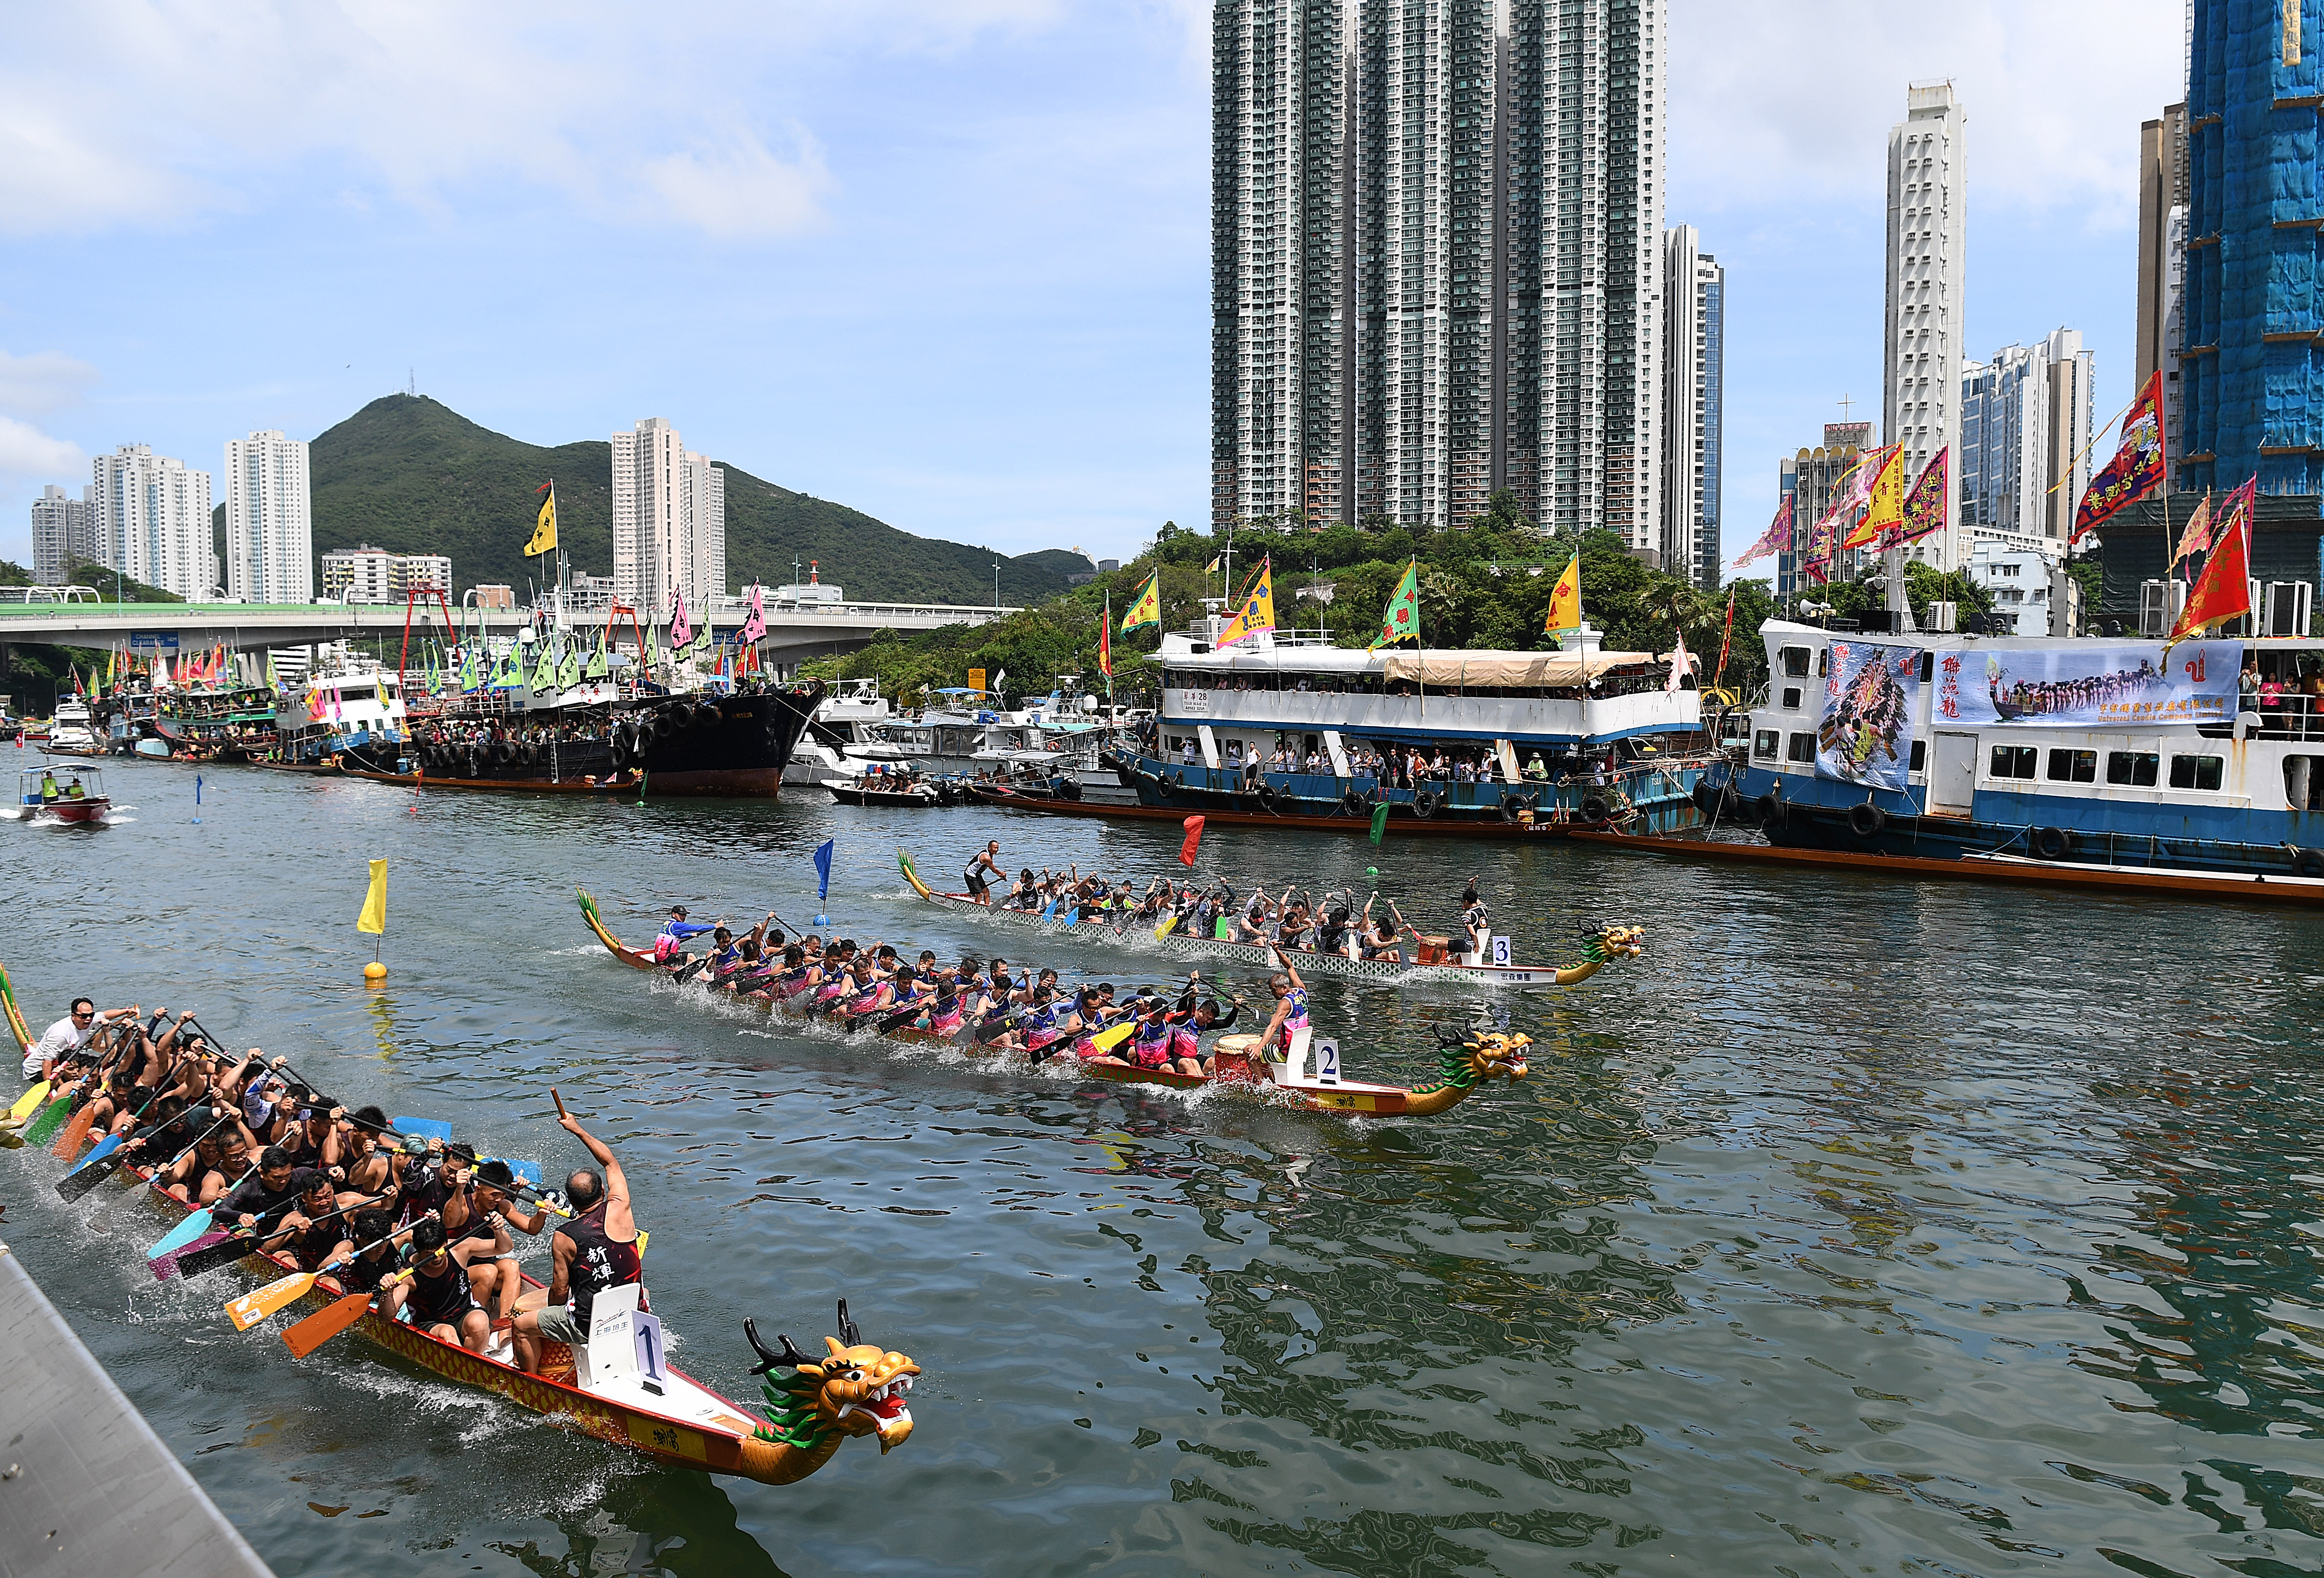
[
  {"x": 196, "y": 1224},
  {"x": 104, "y": 1148},
  {"x": 425, "y": 1128},
  {"x": 530, "y": 1171}
]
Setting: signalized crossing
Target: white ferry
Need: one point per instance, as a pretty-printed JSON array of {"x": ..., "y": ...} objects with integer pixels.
[
  {"x": 1285, "y": 727},
  {"x": 2092, "y": 753},
  {"x": 348, "y": 704}
]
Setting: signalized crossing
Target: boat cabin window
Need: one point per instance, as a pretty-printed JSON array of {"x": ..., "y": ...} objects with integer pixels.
[
  {"x": 356, "y": 693},
  {"x": 1795, "y": 662},
  {"x": 2303, "y": 782},
  {"x": 1792, "y": 698},
  {"x": 1767, "y": 743},
  {"x": 2073, "y": 766},
  {"x": 2135, "y": 768},
  {"x": 1920, "y": 756},
  {"x": 1928, "y": 666},
  {"x": 2014, "y": 761},
  {"x": 2197, "y": 772},
  {"x": 1802, "y": 748}
]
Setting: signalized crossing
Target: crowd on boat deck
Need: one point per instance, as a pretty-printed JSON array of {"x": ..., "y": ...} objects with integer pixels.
[
  {"x": 422, "y": 1223},
  {"x": 986, "y": 1005},
  {"x": 486, "y": 733}
]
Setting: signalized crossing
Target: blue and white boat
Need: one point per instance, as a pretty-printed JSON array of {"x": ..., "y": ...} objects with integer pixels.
[{"x": 2207, "y": 758}]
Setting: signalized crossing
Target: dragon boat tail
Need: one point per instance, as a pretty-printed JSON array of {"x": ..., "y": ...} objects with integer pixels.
[
  {"x": 1437, "y": 966},
  {"x": 1306, "y": 1071}
]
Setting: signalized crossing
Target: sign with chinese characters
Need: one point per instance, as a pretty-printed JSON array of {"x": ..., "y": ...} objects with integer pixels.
[
  {"x": 1869, "y": 696},
  {"x": 2092, "y": 685}
]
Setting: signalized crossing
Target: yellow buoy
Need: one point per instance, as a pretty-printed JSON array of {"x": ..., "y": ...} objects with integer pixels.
[{"x": 374, "y": 971}]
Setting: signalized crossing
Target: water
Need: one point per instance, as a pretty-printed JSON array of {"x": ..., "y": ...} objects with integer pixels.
[{"x": 1859, "y": 1227}]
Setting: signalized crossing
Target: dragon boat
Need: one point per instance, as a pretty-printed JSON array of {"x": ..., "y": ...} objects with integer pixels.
[
  {"x": 620, "y": 1388},
  {"x": 1307, "y": 1072},
  {"x": 1436, "y": 965}
]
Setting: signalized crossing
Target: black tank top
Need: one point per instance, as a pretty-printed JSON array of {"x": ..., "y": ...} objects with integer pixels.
[
  {"x": 443, "y": 1297},
  {"x": 598, "y": 1263}
]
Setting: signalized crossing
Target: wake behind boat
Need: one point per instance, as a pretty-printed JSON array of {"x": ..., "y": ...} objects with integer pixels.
[{"x": 64, "y": 795}]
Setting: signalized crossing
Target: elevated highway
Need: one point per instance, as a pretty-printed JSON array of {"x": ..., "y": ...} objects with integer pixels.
[{"x": 794, "y": 634}]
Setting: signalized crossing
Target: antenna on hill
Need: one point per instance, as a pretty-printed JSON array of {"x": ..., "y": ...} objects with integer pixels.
[{"x": 411, "y": 381}]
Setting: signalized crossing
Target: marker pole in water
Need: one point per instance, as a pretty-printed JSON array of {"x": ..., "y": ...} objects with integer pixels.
[{"x": 197, "y": 799}]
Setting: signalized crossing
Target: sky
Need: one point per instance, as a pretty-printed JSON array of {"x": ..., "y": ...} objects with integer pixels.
[{"x": 945, "y": 261}]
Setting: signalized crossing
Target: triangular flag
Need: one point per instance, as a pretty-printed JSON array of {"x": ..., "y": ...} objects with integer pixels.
[
  {"x": 1566, "y": 601},
  {"x": 2223, "y": 591},
  {"x": 544, "y": 525},
  {"x": 1146, "y": 607},
  {"x": 1256, "y": 612},
  {"x": 1401, "y": 622}
]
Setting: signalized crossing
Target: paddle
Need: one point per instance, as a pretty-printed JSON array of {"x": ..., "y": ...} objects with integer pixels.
[
  {"x": 27, "y": 1101},
  {"x": 1107, "y": 1039},
  {"x": 51, "y": 1118},
  {"x": 67, "y": 1145},
  {"x": 199, "y": 1262},
  {"x": 255, "y": 1306},
  {"x": 425, "y": 1128},
  {"x": 198, "y": 1220},
  {"x": 108, "y": 1159},
  {"x": 335, "y": 1318}
]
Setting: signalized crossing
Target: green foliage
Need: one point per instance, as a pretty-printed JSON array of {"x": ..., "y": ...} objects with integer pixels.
[{"x": 411, "y": 475}]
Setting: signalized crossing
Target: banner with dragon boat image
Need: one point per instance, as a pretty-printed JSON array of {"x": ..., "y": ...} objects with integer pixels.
[
  {"x": 1870, "y": 695},
  {"x": 2098, "y": 687}
]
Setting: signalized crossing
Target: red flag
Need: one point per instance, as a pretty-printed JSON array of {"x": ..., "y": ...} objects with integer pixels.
[
  {"x": 1925, "y": 506},
  {"x": 2223, "y": 591},
  {"x": 1727, "y": 641},
  {"x": 1193, "y": 837},
  {"x": 1105, "y": 647},
  {"x": 2137, "y": 469}
]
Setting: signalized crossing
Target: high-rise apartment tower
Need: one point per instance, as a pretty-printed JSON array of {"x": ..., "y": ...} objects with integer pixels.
[
  {"x": 2025, "y": 453},
  {"x": 64, "y": 534},
  {"x": 1928, "y": 257},
  {"x": 1695, "y": 310},
  {"x": 152, "y": 520},
  {"x": 669, "y": 522},
  {"x": 2162, "y": 263},
  {"x": 270, "y": 533},
  {"x": 1437, "y": 261}
]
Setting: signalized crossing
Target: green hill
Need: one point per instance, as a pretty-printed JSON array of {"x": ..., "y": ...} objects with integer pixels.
[{"x": 411, "y": 475}]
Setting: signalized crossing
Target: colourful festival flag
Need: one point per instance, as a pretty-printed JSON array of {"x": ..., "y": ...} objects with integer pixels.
[
  {"x": 1925, "y": 506},
  {"x": 2196, "y": 538},
  {"x": 1884, "y": 500},
  {"x": 1726, "y": 642},
  {"x": 544, "y": 525},
  {"x": 1147, "y": 609},
  {"x": 1776, "y": 538},
  {"x": 1681, "y": 664},
  {"x": 1105, "y": 642},
  {"x": 1193, "y": 825},
  {"x": 1256, "y": 612},
  {"x": 599, "y": 666},
  {"x": 1401, "y": 622},
  {"x": 754, "y": 626},
  {"x": 373, "y": 918},
  {"x": 568, "y": 670},
  {"x": 2223, "y": 591},
  {"x": 2136, "y": 469},
  {"x": 681, "y": 628},
  {"x": 1566, "y": 601}
]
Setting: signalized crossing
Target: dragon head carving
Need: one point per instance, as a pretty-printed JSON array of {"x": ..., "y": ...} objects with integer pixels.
[
  {"x": 1619, "y": 942},
  {"x": 856, "y": 1388},
  {"x": 1490, "y": 1054}
]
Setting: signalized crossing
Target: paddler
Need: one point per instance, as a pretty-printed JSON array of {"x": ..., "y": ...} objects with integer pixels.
[
  {"x": 438, "y": 1297},
  {"x": 1290, "y": 1009},
  {"x": 45, "y": 1057},
  {"x": 594, "y": 1251},
  {"x": 987, "y": 859}
]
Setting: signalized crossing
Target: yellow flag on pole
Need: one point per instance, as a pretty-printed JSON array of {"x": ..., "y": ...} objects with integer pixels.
[
  {"x": 1566, "y": 601},
  {"x": 1256, "y": 612},
  {"x": 544, "y": 528},
  {"x": 1885, "y": 509},
  {"x": 373, "y": 918},
  {"x": 1148, "y": 608}
]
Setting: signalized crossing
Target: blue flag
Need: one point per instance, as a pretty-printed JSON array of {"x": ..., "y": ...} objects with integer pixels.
[{"x": 823, "y": 869}]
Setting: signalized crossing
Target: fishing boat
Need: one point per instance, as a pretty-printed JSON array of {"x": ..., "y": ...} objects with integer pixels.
[
  {"x": 80, "y": 799},
  {"x": 1303, "y": 1072},
  {"x": 621, "y": 1387},
  {"x": 900, "y": 789},
  {"x": 1435, "y": 961}
]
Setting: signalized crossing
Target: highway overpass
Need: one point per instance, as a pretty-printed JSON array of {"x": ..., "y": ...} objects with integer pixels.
[{"x": 794, "y": 634}]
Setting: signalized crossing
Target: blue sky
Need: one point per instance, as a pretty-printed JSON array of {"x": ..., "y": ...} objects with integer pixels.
[{"x": 946, "y": 261}]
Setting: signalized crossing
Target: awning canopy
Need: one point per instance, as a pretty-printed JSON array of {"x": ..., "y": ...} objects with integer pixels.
[{"x": 1443, "y": 671}]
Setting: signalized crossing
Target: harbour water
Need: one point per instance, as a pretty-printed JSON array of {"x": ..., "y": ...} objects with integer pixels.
[{"x": 1859, "y": 1227}]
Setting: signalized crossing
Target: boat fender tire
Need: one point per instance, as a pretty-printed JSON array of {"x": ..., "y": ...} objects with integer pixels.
[
  {"x": 1594, "y": 808},
  {"x": 1866, "y": 819},
  {"x": 1770, "y": 806},
  {"x": 2052, "y": 842},
  {"x": 665, "y": 723},
  {"x": 1423, "y": 804},
  {"x": 1069, "y": 789},
  {"x": 621, "y": 751},
  {"x": 503, "y": 753},
  {"x": 1175, "y": 782},
  {"x": 1355, "y": 804},
  {"x": 2309, "y": 863},
  {"x": 1511, "y": 804}
]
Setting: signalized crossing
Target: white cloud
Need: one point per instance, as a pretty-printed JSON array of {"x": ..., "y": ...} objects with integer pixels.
[
  {"x": 1791, "y": 100},
  {"x": 736, "y": 188},
  {"x": 42, "y": 383},
  {"x": 29, "y": 454}
]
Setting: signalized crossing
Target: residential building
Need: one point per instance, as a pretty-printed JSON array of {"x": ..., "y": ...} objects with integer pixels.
[
  {"x": 2019, "y": 578},
  {"x": 270, "y": 535},
  {"x": 1436, "y": 261},
  {"x": 420, "y": 572},
  {"x": 494, "y": 595},
  {"x": 64, "y": 534},
  {"x": 361, "y": 574},
  {"x": 1694, "y": 306},
  {"x": 1812, "y": 480},
  {"x": 152, "y": 520},
  {"x": 670, "y": 522},
  {"x": 2251, "y": 368},
  {"x": 1928, "y": 259},
  {"x": 2162, "y": 263},
  {"x": 2024, "y": 451}
]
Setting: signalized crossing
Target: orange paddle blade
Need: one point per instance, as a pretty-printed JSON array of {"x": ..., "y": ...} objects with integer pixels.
[
  {"x": 326, "y": 1323},
  {"x": 259, "y": 1303},
  {"x": 67, "y": 1145}
]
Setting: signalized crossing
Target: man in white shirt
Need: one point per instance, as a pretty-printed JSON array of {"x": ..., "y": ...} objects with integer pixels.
[{"x": 69, "y": 1035}]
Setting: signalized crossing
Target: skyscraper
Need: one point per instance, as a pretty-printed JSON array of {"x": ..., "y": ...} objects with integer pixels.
[
  {"x": 1694, "y": 306},
  {"x": 2025, "y": 443},
  {"x": 2162, "y": 263},
  {"x": 64, "y": 534},
  {"x": 152, "y": 520},
  {"x": 2251, "y": 370},
  {"x": 1436, "y": 261},
  {"x": 270, "y": 534},
  {"x": 1928, "y": 258},
  {"x": 669, "y": 522}
]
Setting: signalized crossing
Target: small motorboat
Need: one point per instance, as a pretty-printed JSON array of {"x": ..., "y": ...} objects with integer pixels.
[
  {"x": 885, "y": 789},
  {"x": 55, "y": 793}
]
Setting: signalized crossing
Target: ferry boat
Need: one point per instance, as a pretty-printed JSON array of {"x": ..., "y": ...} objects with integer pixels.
[
  {"x": 1283, "y": 728},
  {"x": 348, "y": 703},
  {"x": 2079, "y": 756}
]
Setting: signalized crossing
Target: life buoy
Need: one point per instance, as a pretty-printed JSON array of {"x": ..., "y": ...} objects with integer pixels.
[
  {"x": 1866, "y": 819},
  {"x": 2052, "y": 842},
  {"x": 1594, "y": 808},
  {"x": 2309, "y": 863},
  {"x": 1512, "y": 807},
  {"x": 1770, "y": 808},
  {"x": 1069, "y": 789},
  {"x": 1355, "y": 804},
  {"x": 1425, "y": 804}
]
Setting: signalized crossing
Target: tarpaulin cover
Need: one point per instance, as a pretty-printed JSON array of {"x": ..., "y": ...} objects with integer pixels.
[{"x": 1509, "y": 668}]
